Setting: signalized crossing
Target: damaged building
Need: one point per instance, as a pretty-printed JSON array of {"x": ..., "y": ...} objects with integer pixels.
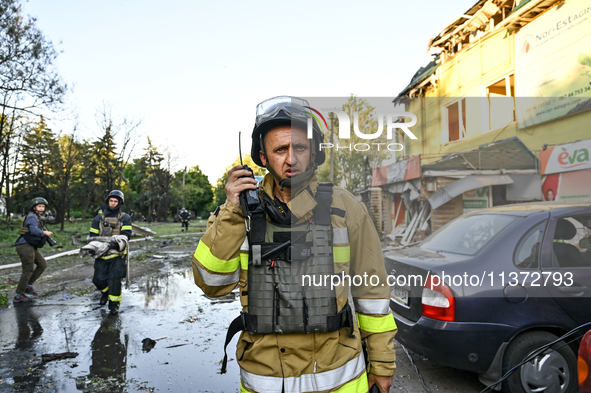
[{"x": 503, "y": 116}]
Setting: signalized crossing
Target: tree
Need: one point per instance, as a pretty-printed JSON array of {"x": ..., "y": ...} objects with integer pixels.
[
  {"x": 193, "y": 191},
  {"x": 109, "y": 160},
  {"x": 154, "y": 179},
  {"x": 351, "y": 167},
  {"x": 220, "y": 186},
  {"x": 66, "y": 168},
  {"x": 10, "y": 147},
  {"x": 48, "y": 167},
  {"x": 29, "y": 82},
  {"x": 86, "y": 188},
  {"x": 135, "y": 175},
  {"x": 28, "y": 78},
  {"x": 34, "y": 175}
]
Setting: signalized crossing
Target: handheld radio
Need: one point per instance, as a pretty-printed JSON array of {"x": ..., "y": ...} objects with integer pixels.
[{"x": 249, "y": 199}]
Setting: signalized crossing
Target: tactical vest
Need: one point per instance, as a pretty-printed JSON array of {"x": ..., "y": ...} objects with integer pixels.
[
  {"x": 110, "y": 226},
  {"x": 34, "y": 240},
  {"x": 279, "y": 258}
]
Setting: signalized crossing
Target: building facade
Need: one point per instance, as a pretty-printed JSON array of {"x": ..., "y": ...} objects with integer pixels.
[{"x": 503, "y": 114}]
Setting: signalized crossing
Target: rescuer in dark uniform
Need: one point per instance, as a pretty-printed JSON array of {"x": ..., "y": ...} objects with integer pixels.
[
  {"x": 109, "y": 269},
  {"x": 185, "y": 216}
]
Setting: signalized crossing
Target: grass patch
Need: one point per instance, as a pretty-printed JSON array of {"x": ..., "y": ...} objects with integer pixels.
[
  {"x": 9, "y": 234},
  {"x": 171, "y": 228},
  {"x": 82, "y": 292},
  {"x": 7, "y": 287},
  {"x": 3, "y": 299}
]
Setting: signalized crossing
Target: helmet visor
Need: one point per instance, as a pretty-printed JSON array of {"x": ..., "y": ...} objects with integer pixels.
[{"x": 292, "y": 106}]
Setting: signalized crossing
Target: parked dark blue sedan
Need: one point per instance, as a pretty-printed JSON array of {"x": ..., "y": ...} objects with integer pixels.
[{"x": 489, "y": 288}]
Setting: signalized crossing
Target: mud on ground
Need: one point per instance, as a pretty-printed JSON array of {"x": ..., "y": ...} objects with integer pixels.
[
  {"x": 72, "y": 275},
  {"x": 107, "y": 353}
]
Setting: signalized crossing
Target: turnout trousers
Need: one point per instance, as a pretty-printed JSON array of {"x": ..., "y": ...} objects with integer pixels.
[
  {"x": 33, "y": 266},
  {"x": 107, "y": 277}
]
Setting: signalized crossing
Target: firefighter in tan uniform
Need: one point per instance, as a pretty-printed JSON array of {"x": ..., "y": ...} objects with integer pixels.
[{"x": 278, "y": 241}]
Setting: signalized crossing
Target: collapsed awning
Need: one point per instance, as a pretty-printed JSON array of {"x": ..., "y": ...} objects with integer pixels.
[
  {"x": 502, "y": 157},
  {"x": 406, "y": 169},
  {"x": 468, "y": 183}
]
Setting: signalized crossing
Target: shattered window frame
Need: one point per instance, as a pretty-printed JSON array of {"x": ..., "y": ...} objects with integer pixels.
[{"x": 500, "y": 112}]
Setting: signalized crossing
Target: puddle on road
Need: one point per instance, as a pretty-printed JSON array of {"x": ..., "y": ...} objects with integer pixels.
[{"x": 110, "y": 356}]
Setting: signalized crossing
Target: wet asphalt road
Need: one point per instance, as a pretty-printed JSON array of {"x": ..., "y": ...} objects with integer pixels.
[
  {"x": 110, "y": 357},
  {"x": 110, "y": 354}
]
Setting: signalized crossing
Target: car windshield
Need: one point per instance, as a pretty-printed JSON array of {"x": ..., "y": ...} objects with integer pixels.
[{"x": 467, "y": 235}]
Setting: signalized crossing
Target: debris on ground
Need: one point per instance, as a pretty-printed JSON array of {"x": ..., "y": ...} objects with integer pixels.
[
  {"x": 49, "y": 357},
  {"x": 148, "y": 344},
  {"x": 176, "y": 345}
]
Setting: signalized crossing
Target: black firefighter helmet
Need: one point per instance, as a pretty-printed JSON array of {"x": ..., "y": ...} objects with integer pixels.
[{"x": 116, "y": 194}]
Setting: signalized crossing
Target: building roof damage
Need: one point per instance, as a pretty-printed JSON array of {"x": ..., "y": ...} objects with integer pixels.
[{"x": 467, "y": 29}]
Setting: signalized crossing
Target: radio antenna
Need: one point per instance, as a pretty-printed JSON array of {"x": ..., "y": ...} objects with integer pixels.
[{"x": 240, "y": 147}]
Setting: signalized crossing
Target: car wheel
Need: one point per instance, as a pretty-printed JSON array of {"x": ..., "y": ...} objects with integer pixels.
[{"x": 554, "y": 371}]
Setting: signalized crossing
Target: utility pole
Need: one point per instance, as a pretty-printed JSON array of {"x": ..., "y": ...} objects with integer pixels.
[
  {"x": 331, "y": 178},
  {"x": 183, "y": 193}
]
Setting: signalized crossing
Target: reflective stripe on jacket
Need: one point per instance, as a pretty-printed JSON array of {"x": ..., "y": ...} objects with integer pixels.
[{"x": 314, "y": 362}]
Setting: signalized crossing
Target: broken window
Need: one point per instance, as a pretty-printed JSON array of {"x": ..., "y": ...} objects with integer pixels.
[
  {"x": 501, "y": 103},
  {"x": 456, "y": 121}
]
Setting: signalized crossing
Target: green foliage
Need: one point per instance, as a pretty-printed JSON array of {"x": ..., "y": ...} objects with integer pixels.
[
  {"x": 29, "y": 82},
  {"x": 3, "y": 299},
  {"x": 35, "y": 174},
  {"x": 219, "y": 192},
  {"x": 220, "y": 187},
  {"x": 86, "y": 190},
  {"x": 353, "y": 168},
  {"x": 49, "y": 166},
  {"x": 28, "y": 79},
  {"x": 192, "y": 191},
  {"x": 155, "y": 181},
  {"x": 106, "y": 160}
]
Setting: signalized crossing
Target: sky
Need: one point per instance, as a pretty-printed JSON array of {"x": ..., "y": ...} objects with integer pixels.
[{"x": 194, "y": 71}]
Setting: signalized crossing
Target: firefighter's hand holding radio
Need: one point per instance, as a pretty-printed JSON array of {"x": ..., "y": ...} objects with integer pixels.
[{"x": 239, "y": 180}]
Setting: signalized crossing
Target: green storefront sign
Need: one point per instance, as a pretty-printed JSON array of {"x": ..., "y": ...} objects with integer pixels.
[{"x": 475, "y": 204}]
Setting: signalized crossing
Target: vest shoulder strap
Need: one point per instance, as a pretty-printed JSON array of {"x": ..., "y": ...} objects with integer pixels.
[
  {"x": 22, "y": 230},
  {"x": 324, "y": 199}
]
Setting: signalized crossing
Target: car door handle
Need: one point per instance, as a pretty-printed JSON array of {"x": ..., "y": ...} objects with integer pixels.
[{"x": 573, "y": 289}]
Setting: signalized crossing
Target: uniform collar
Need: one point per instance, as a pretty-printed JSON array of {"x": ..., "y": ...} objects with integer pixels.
[
  {"x": 303, "y": 204},
  {"x": 108, "y": 210}
]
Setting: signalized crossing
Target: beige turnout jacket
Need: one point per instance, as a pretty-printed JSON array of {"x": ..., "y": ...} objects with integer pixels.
[{"x": 314, "y": 362}]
